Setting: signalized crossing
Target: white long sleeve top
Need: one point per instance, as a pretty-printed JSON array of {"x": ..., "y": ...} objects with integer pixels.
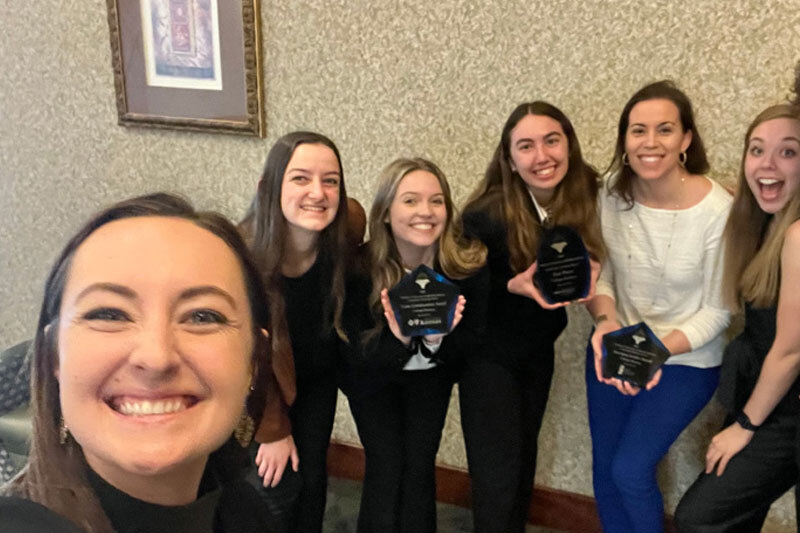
[{"x": 664, "y": 267}]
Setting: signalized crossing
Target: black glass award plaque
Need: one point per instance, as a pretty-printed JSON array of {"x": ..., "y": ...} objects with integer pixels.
[
  {"x": 633, "y": 354},
  {"x": 563, "y": 272},
  {"x": 424, "y": 302}
]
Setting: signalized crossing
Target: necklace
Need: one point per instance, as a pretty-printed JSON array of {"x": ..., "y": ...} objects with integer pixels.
[
  {"x": 673, "y": 203},
  {"x": 634, "y": 221}
]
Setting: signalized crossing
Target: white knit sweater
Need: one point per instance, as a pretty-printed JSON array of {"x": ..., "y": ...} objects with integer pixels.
[{"x": 664, "y": 267}]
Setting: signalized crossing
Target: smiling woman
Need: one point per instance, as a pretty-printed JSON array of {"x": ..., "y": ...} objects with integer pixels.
[
  {"x": 536, "y": 178},
  {"x": 754, "y": 459},
  {"x": 399, "y": 386},
  {"x": 144, "y": 356},
  {"x": 662, "y": 223},
  {"x": 296, "y": 228}
]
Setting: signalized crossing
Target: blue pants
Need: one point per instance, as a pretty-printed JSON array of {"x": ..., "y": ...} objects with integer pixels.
[{"x": 631, "y": 434}]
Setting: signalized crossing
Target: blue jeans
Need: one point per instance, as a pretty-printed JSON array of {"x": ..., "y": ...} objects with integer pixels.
[{"x": 631, "y": 434}]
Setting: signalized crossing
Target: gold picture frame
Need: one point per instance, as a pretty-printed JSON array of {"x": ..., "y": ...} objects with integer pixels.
[{"x": 195, "y": 65}]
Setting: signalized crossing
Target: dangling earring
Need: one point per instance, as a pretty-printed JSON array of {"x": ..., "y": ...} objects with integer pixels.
[
  {"x": 244, "y": 429},
  {"x": 625, "y": 161},
  {"x": 63, "y": 431},
  {"x": 682, "y": 158}
]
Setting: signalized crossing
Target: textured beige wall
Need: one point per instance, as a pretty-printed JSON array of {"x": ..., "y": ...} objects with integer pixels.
[{"x": 415, "y": 77}]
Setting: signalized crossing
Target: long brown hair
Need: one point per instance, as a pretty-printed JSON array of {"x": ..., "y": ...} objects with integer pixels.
[
  {"x": 753, "y": 238},
  {"x": 56, "y": 474},
  {"x": 696, "y": 160},
  {"x": 264, "y": 227},
  {"x": 574, "y": 203},
  {"x": 457, "y": 257}
]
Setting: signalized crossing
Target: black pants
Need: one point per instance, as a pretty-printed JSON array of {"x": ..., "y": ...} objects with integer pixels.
[
  {"x": 400, "y": 427},
  {"x": 297, "y": 503},
  {"x": 501, "y": 414},
  {"x": 758, "y": 475}
]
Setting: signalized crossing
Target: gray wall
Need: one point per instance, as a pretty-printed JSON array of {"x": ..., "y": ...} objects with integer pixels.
[{"x": 382, "y": 79}]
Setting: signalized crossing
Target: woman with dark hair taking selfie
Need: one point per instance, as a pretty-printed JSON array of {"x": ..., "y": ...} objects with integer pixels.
[
  {"x": 148, "y": 352},
  {"x": 662, "y": 223},
  {"x": 536, "y": 178},
  {"x": 296, "y": 228}
]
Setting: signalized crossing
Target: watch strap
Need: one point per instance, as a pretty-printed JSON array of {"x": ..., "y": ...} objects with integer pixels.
[{"x": 743, "y": 420}]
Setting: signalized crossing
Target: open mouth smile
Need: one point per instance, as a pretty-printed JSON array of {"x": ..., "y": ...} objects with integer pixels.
[
  {"x": 650, "y": 159},
  {"x": 769, "y": 188},
  {"x": 424, "y": 226},
  {"x": 544, "y": 172},
  {"x": 130, "y": 406}
]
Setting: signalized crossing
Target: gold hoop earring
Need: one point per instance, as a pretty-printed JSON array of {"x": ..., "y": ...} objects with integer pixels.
[
  {"x": 63, "y": 431},
  {"x": 244, "y": 429},
  {"x": 682, "y": 158},
  {"x": 625, "y": 161}
]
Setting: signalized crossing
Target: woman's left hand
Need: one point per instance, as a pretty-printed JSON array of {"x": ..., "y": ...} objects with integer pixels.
[
  {"x": 628, "y": 389},
  {"x": 522, "y": 284},
  {"x": 725, "y": 445},
  {"x": 436, "y": 338}
]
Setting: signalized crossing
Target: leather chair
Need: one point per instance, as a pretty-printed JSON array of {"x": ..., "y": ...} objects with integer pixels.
[{"x": 15, "y": 419}]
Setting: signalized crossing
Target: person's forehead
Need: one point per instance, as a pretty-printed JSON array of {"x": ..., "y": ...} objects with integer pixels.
[{"x": 157, "y": 250}]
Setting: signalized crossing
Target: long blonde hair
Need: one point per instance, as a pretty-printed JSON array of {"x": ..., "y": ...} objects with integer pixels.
[
  {"x": 457, "y": 257},
  {"x": 754, "y": 239},
  {"x": 574, "y": 203}
]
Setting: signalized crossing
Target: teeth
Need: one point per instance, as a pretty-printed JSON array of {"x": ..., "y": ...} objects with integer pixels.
[
  {"x": 767, "y": 181},
  {"x": 313, "y": 208},
  {"x": 422, "y": 226},
  {"x": 650, "y": 158},
  {"x": 148, "y": 407},
  {"x": 545, "y": 171}
]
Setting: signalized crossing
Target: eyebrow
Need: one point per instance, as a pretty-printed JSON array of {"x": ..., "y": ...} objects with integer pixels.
[
  {"x": 204, "y": 290},
  {"x": 298, "y": 169},
  {"x": 130, "y": 294},
  {"x": 789, "y": 138},
  {"x": 121, "y": 290},
  {"x": 670, "y": 122},
  {"x": 546, "y": 135}
]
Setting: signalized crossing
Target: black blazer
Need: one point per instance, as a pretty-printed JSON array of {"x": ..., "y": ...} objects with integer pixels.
[
  {"x": 369, "y": 366},
  {"x": 520, "y": 332}
]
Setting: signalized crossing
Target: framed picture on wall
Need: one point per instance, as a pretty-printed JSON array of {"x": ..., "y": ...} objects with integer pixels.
[{"x": 188, "y": 64}]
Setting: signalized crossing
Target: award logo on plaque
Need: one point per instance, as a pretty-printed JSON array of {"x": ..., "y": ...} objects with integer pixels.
[
  {"x": 563, "y": 272},
  {"x": 424, "y": 302},
  {"x": 633, "y": 354}
]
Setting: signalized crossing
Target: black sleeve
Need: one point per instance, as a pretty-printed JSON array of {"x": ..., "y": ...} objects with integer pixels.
[
  {"x": 383, "y": 351},
  {"x": 485, "y": 226},
  {"x": 470, "y": 334},
  {"x": 24, "y": 516}
]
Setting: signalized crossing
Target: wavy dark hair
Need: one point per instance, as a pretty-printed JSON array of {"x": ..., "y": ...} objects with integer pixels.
[
  {"x": 56, "y": 474},
  {"x": 696, "y": 159},
  {"x": 574, "y": 203},
  {"x": 264, "y": 228}
]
